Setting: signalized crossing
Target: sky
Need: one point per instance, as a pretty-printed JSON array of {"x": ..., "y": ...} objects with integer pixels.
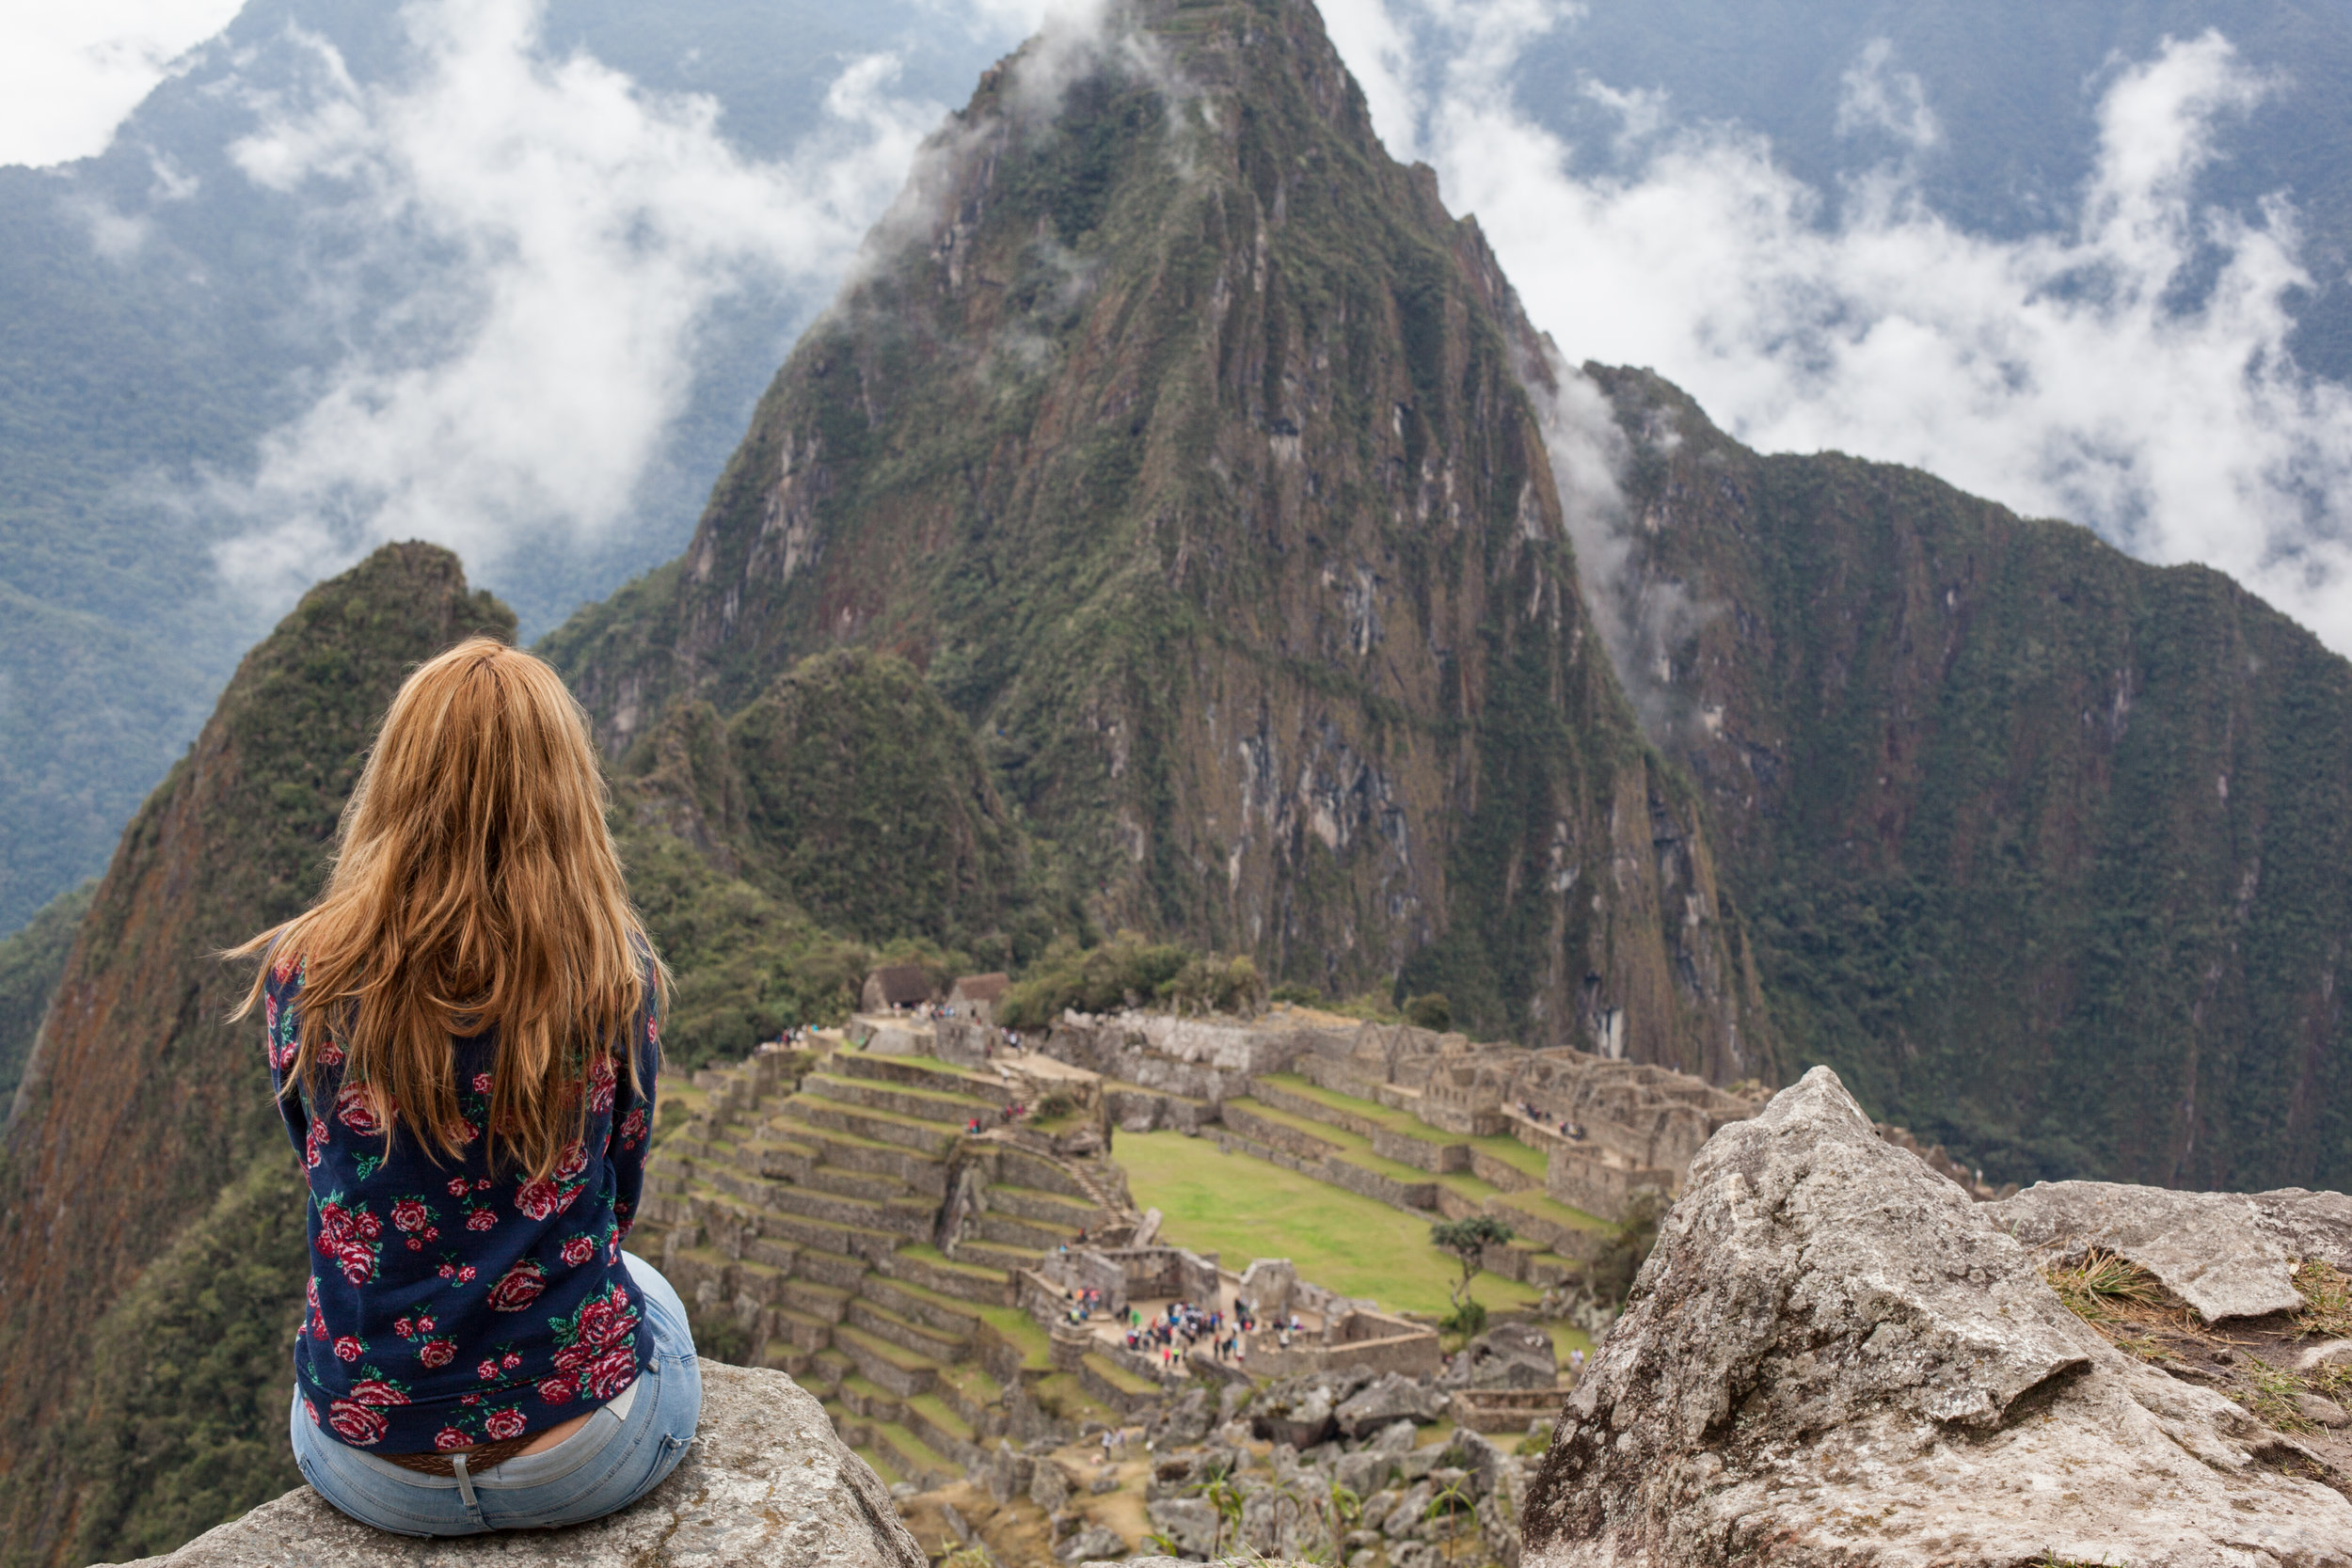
[{"x": 2058, "y": 372}]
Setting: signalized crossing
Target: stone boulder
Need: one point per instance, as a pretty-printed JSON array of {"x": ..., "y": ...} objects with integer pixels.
[
  {"x": 1834, "y": 1358},
  {"x": 766, "y": 1482},
  {"x": 2228, "y": 1255},
  {"x": 1391, "y": 1398},
  {"x": 1509, "y": 1356}
]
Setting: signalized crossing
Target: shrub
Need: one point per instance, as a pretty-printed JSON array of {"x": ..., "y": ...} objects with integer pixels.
[{"x": 1432, "y": 1012}]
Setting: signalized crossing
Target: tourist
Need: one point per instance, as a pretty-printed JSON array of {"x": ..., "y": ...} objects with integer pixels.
[
  {"x": 1576, "y": 1365},
  {"x": 483, "y": 1152}
]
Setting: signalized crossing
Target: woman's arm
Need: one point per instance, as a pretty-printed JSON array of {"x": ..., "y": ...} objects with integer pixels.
[
  {"x": 279, "y": 1025},
  {"x": 632, "y": 1113}
]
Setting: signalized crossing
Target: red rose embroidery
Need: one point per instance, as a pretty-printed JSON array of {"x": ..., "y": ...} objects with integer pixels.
[
  {"x": 503, "y": 1424},
  {"x": 404, "y": 1327},
  {"x": 355, "y": 1109},
  {"x": 355, "y": 1424},
  {"x": 536, "y": 1199},
  {"x": 579, "y": 1250},
  {"x": 282, "y": 968},
  {"x": 457, "y": 1187},
  {"x": 482, "y": 1083},
  {"x": 512, "y": 1361},
  {"x": 356, "y": 1259},
  {"x": 311, "y": 1410},
  {"x": 316, "y": 1141},
  {"x": 488, "y": 1370},
  {"x": 632, "y": 1128},
  {"x": 310, "y": 1291},
  {"x": 411, "y": 1214},
  {"x": 482, "y": 1219},
  {"x": 450, "y": 1438},
  {"x": 600, "y": 1087},
  {"x": 348, "y": 1349},
  {"x": 375, "y": 1391},
  {"x": 574, "y": 1161},
  {"x": 559, "y": 1389},
  {"x": 518, "y": 1287},
  {"x": 614, "y": 1370},
  {"x": 438, "y": 1352},
  {"x": 574, "y": 1356},
  {"x": 331, "y": 1054},
  {"x": 466, "y": 1273}
]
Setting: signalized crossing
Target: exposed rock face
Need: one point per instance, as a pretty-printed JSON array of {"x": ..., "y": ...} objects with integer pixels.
[
  {"x": 766, "y": 1482},
  {"x": 2225, "y": 1254},
  {"x": 1175, "y": 429},
  {"x": 2042, "y": 843},
  {"x": 1834, "y": 1358},
  {"x": 1383, "y": 1403}
]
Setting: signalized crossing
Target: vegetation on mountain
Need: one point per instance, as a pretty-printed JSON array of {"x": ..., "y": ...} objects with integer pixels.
[
  {"x": 30, "y": 963},
  {"x": 1130, "y": 970},
  {"x": 2043, "y": 845}
]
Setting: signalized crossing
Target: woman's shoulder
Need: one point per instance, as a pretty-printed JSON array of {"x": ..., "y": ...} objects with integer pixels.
[{"x": 285, "y": 969}]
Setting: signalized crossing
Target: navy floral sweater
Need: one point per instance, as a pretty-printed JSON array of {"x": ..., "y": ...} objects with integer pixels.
[{"x": 450, "y": 1306}]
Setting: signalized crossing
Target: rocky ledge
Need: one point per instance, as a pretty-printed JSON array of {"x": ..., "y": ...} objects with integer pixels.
[
  {"x": 766, "y": 1483},
  {"x": 1835, "y": 1357}
]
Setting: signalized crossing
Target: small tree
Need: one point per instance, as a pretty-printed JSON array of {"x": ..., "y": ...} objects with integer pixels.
[
  {"x": 1468, "y": 1240},
  {"x": 1432, "y": 1012}
]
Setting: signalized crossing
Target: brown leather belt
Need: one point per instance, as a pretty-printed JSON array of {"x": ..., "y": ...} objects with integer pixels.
[{"x": 477, "y": 1459}]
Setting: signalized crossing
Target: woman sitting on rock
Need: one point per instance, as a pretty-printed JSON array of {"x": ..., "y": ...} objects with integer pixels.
[{"x": 464, "y": 1033}]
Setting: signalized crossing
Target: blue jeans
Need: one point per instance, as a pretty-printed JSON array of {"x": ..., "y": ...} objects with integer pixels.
[{"x": 601, "y": 1469}]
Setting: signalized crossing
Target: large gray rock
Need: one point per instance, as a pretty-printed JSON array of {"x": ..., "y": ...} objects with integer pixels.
[
  {"x": 2228, "y": 1255},
  {"x": 1392, "y": 1398},
  {"x": 1834, "y": 1358},
  {"x": 766, "y": 1482},
  {"x": 1509, "y": 1356}
]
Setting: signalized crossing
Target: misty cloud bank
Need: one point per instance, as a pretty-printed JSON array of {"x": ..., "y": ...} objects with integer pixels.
[
  {"x": 577, "y": 234},
  {"x": 2131, "y": 373}
]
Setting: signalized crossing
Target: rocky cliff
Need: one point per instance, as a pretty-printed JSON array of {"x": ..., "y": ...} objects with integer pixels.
[
  {"x": 1835, "y": 1357},
  {"x": 151, "y": 1249},
  {"x": 2042, "y": 846},
  {"x": 1174, "y": 431}
]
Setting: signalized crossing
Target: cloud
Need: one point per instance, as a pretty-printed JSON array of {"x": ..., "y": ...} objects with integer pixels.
[
  {"x": 564, "y": 236},
  {"x": 1872, "y": 97},
  {"x": 69, "y": 74},
  {"x": 2129, "y": 371}
]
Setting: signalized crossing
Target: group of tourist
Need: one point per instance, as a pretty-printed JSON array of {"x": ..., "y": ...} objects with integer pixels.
[
  {"x": 1005, "y": 1117},
  {"x": 1574, "y": 1131},
  {"x": 1179, "y": 1327}
]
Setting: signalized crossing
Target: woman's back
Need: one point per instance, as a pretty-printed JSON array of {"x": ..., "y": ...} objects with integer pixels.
[
  {"x": 464, "y": 1034},
  {"x": 453, "y": 1304}
]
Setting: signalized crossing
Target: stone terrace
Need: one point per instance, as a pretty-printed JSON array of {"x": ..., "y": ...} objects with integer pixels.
[{"x": 868, "y": 1246}]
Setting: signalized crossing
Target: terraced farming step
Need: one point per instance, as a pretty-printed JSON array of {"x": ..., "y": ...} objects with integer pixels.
[
  {"x": 905, "y": 1216},
  {"x": 927, "y": 1266},
  {"x": 923, "y": 1072},
  {"x": 914, "y": 1458},
  {"x": 922, "y": 1339},
  {"x": 904, "y": 1371},
  {"x": 953, "y": 1110},
  {"x": 998, "y": 1255},
  {"x": 929, "y": 1138},
  {"x": 1012, "y": 1231},
  {"x": 849, "y": 1153}
]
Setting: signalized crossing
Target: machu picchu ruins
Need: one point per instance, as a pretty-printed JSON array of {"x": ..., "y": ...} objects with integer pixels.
[{"x": 921, "y": 1217}]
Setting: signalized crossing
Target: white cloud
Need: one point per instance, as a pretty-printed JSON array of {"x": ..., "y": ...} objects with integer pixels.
[
  {"x": 568, "y": 234},
  {"x": 1871, "y": 97},
  {"x": 69, "y": 74},
  {"x": 2063, "y": 374}
]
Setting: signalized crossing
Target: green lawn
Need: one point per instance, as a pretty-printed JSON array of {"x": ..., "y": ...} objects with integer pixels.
[{"x": 1243, "y": 1207}]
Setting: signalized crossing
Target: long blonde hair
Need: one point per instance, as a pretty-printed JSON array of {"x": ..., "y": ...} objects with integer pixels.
[{"x": 475, "y": 886}]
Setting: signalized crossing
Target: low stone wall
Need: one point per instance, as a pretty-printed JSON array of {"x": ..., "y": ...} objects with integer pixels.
[
  {"x": 1136, "y": 1109},
  {"x": 1501, "y": 1173},
  {"x": 1503, "y": 1409},
  {"x": 1413, "y": 1355},
  {"x": 1294, "y": 1141},
  {"x": 1422, "y": 1153},
  {"x": 1580, "y": 1180},
  {"x": 1385, "y": 1189}
]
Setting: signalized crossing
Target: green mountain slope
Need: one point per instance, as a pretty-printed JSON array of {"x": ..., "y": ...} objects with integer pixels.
[
  {"x": 2044, "y": 847},
  {"x": 30, "y": 963},
  {"x": 1172, "y": 430}
]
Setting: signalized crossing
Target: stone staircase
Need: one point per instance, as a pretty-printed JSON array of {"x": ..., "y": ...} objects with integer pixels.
[{"x": 809, "y": 1202}]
